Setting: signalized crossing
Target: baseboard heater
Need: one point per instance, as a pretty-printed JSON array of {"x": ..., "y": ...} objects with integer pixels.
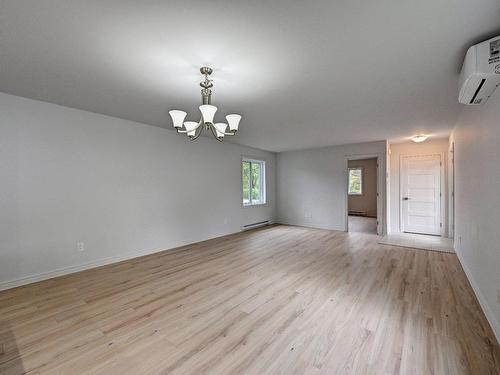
[
  {"x": 255, "y": 225},
  {"x": 357, "y": 213}
]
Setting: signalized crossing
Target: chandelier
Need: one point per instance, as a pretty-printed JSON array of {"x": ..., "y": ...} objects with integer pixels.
[{"x": 194, "y": 129}]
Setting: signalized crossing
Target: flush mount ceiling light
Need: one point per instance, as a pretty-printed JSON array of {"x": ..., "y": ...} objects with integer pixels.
[
  {"x": 419, "y": 138},
  {"x": 194, "y": 129}
]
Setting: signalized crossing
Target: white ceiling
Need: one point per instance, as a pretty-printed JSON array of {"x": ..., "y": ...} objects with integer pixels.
[{"x": 302, "y": 73}]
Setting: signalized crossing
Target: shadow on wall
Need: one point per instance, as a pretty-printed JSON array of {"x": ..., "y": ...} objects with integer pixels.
[{"x": 10, "y": 359}]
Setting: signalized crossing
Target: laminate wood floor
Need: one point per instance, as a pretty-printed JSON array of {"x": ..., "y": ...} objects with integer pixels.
[
  {"x": 279, "y": 300},
  {"x": 362, "y": 224}
]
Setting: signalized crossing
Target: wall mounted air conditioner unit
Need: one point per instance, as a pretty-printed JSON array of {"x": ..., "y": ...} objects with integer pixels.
[{"x": 480, "y": 74}]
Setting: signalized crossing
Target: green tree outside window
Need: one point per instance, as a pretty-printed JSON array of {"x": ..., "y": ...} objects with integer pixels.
[{"x": 253, "y": 182}]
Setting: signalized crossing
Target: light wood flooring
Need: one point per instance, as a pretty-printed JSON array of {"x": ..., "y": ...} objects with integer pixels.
[
  {"x": 279, "y": 300},
  {"x": 362, "y": 224},
  {"x": 419, "y": 241}
]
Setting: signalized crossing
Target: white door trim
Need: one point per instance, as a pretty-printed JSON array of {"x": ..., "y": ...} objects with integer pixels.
[
  {"x": 451, "y": 190},
  {"x": 441, "y": 189}
]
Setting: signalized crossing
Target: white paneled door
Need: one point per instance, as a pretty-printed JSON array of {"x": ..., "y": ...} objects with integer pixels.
[{"x": 421, "y": 194}]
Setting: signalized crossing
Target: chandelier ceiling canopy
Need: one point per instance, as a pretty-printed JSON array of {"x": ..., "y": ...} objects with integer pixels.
[{"x": 194, "y": 129}]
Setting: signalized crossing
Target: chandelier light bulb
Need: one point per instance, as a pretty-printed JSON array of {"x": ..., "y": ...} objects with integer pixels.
[
  {"x": 177, "y": 117},
  {"x": 191, "y": 128},
  {"x": 208, "y": 113},
  {"x": 220, "y": 129},
  {"x": 233, "y": 121}
]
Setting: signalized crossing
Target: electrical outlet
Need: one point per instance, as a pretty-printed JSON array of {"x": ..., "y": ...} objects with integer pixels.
[
  {"x": 225, "y": 221},
  {"x": 80, "y": 246},
  {"x": 308, "y": 215},
  {"x": 498, "y": 296}
]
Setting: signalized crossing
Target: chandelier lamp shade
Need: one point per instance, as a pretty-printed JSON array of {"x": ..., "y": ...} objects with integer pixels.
[{"x": 194, "y": 129}]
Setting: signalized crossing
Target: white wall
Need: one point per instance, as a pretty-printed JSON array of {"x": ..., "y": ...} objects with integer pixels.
[
  {"x": 477, "y": 202},
  {"x": 432, "y": 146},
  {"x": 121, "y": 187},
  {"x": 312, "y": 184}
]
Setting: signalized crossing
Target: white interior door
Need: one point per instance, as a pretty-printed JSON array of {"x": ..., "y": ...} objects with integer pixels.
[{"x": 421, "y": 194}]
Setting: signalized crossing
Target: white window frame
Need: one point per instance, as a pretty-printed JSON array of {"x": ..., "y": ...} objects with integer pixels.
[
  {"x": 262, "y": 187},
  {"x": 362, "y": 182}
]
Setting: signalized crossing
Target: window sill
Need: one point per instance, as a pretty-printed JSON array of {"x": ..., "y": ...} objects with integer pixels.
[{"x": 254, "y": 205}]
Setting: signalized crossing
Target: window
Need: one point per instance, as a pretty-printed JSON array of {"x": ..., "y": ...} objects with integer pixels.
[
  {"x": 253, "y": 174},
  {"x": 356, "y": 181}
]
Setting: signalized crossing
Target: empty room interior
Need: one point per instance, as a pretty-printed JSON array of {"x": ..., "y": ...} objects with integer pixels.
[{"x": 230, "y": 187}]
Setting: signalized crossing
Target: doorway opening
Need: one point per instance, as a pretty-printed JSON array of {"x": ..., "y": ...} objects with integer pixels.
[{"x": 362, "y": 195}]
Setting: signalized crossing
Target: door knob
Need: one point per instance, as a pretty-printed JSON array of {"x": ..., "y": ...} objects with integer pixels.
[{"x": 406, "y": 199}]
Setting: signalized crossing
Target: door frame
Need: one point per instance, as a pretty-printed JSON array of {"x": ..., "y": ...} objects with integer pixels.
[
  {"x": 451, "y": 190},
  {"x": 380, "y": 182},
  {"x": 442, "y": 189}
]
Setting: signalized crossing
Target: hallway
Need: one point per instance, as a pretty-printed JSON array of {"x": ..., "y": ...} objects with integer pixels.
[{"x": 362, "y": 224}]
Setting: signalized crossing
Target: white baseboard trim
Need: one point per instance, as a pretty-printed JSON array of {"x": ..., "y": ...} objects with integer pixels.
[
  {"x": 9, "y": 284},
  {"x": 72, "y": 269},
  {"x": 495, "y": 326},
  {"x": 307, "y": 225}
]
